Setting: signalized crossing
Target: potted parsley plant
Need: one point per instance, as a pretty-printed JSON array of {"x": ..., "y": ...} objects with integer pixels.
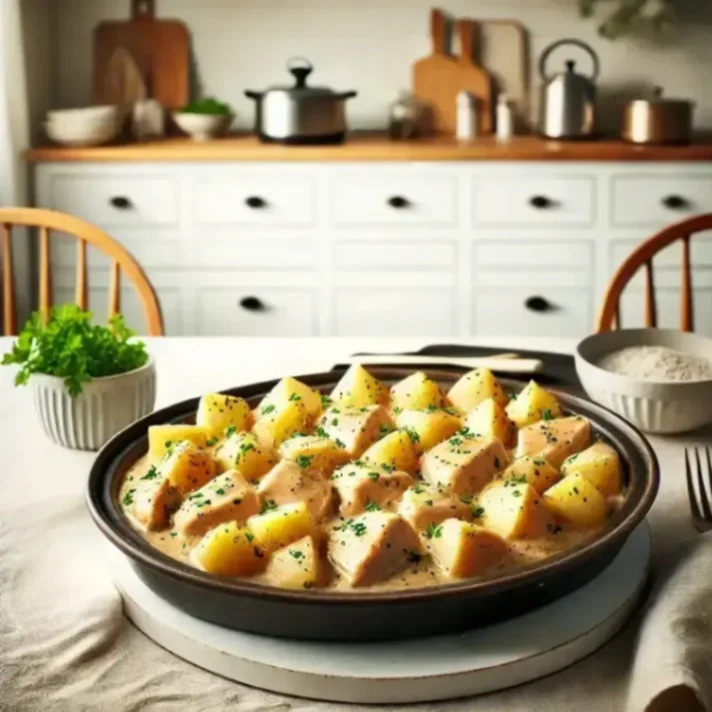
[{"x": 88, "y": 381}]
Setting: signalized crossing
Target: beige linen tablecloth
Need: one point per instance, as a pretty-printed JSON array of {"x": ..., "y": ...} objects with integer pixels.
[{"x": 64, "y": 644}]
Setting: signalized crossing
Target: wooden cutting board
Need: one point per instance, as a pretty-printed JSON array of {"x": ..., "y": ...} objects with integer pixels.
[
  {"x": 159, "y": 48},
  {"x": 123, "y": 84},
  {"x": 440, "y": 77}
]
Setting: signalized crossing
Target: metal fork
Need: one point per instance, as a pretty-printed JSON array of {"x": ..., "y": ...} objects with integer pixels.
[{"x": 700, "y": 496}]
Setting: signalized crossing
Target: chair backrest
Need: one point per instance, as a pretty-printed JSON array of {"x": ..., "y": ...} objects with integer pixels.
[
  {"x": 609, "y": 316},
  {"x": 47, "y": 221}
]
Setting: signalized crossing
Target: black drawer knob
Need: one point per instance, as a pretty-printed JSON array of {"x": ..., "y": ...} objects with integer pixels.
[
  {"x": 253, "y": 304},
  {"x": 398, "y": 202},
  {"x": 254, "y": 201},
  {"x": 539, "y": 304},
  {"x": 541, "y": 202},
  {"x": 120, "y": 202},
  {"x": 675, "y": 202}
]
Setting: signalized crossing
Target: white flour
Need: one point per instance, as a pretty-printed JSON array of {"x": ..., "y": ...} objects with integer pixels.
[{"x": 657, "y": 363}]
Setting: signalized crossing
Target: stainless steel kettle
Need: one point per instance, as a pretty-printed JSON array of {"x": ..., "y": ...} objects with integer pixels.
[{"x": 568, "y": 99}]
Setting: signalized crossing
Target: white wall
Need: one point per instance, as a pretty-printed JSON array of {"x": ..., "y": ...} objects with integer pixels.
[{"x": 369, "y": 45}]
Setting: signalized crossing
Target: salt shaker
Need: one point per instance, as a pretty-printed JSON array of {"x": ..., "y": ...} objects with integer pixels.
[
  {"x": 466, "y": 119},
  {"x": 405, "y": 116},
  {"x": 148, "y": 120},
  {"x": 505, "y": 119}
]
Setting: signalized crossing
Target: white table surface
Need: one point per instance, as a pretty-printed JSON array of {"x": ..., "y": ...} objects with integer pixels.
[{"x": 188, "y": 367}]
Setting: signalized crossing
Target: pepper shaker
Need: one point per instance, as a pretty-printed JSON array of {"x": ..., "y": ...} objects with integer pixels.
[{"x": 466, "y": 119}]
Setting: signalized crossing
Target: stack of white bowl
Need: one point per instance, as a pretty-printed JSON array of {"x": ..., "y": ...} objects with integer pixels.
[{"x": 91, "y": 126}]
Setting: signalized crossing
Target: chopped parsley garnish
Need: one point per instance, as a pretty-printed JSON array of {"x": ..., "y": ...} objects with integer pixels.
[
  {"x": 429, "y": 502},
  {"x": 513, "y": 396},
  {"x": 128, "y": 497},
  {"x": 334, "y": 421},
  {"x": 477, "y": 512},
  {"x": 466, "y": 499},
  {"x": 197, "y": 495},
  {"x": 431, "y": 408},
  {"x": 434, "y": 531},
  {"x": 268, "y": 409},
  {"x": 455, "y": 442},
  {"x": 230, "y": 430},
  {"x": 412, "y": 434},
  {"x": 268, "y": 506},
  {"x": 358, "y": 528},
  {"x": 385, "y": 430},
  {"x": 304, "y": 461},
  {"x": 244, "y": 449},
  {"x": 295, "y": 397},
  {"x": 340, "y": 443},
  {"x": 211, "y": 441},
  {"x": 202, "y": 503},
  {"x": 397, "y": 410},
  {"x": 517, "y": 493},
  {"x": 451, "y": 411},
  {"x": 220, "y": 491},
  {"x": 174, "y": 533},
  {"x": 373, "y": 506},
  {"x": 151, "y": 474},
  {"x": 546, "y": 414},
  {"x": 374, "y": 476},
  {"x": 418, "y": 489},
  {"x": 514, "y": 481},
  {"x": 321, "y": 432},
  {"x": 466, "y": 433},
  {"x": 325, "y": 401},
  {"x": 169, "y": 444},
  {"x": 249, "y": 536},
  {"x": 296, "y": 554}
]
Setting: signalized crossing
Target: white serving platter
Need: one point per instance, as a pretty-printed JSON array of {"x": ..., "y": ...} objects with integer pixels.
[{"x": 444, "y": 667}]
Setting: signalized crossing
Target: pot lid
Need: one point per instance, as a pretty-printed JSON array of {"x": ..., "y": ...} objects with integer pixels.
[
  {"x": 301, "y": 68},
  {"x": 657, "y": 99}
]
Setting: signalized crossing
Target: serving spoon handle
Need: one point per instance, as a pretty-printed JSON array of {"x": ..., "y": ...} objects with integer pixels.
[{"x": 504, "y": 363}]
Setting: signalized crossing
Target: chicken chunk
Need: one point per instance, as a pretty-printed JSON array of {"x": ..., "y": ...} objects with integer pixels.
[
  {"x": 355, "y": 429},
  {"x": 229, "y": 497},
  {"x": 152, "y": 501},
  {"x": 464, "y": 465},
  {"x": 424, "y": 506},
  {"x": 373, "y": 547},
  {"x": 286, "y": 482},
  {"x": 554, "y": 440},
  {"x": 362, "y": 486},
  {"x": 463, "y": 549}
]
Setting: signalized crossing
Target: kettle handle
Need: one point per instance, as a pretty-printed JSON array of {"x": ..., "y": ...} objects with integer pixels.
[{"x": 577, "y": 43}]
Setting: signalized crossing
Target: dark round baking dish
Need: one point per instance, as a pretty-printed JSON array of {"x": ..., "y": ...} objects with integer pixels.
[{"x": 327, "y": 615}]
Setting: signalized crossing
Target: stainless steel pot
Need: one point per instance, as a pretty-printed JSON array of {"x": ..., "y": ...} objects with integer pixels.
[
  {"x": 568, "y": 99},
  {"x": 658, "y": 120},
  {"x": 301, "y": 114}
]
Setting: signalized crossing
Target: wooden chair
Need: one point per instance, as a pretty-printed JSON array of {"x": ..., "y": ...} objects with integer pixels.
[
  {"x": 49, "y": 220},
  {"x": 609, "y": 315}
]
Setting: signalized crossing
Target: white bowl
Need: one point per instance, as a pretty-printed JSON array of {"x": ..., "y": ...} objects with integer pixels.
[
  {"x": 83, "y": 135},
  {"x": 79, "y": 116},
  {"x": 203, "y": 127},
  {"x": 103, "y": 408},
  {"x": 654, "y": 407}
]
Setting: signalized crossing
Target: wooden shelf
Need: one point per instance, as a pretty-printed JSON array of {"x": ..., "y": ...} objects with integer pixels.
[{"x": 376, "y": 147}]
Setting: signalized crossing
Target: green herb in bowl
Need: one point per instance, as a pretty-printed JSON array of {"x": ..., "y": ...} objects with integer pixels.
[{"x": 208, "y": 106}]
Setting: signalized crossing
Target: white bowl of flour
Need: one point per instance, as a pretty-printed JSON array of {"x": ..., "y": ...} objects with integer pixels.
[{"x": 658, "y": 379}]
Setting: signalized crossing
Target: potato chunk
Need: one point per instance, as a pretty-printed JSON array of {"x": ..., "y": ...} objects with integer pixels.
[
  {"x": 358, "y": 388},
  {"x": 373, "y": 547},
  {"x": 217, "y": 412},
  {"x": 314, "y": 453},
  {"x": 425, "y": 506},
  {"x": 296, "y": 566},
  {"x": 161, "y": 438},
  {"x": 187, "y": 468},
  {"x": 600, "y": 465},
  {"x": 533, "y": 404},
  {"x": 475, "y": 387},
  {"x": 463, "y": 549},
  {"x": 361, "y": 486},
  {"x": 226, "y": 498},
  {"x": 394, "y": 450},
  {"x": 514, "y": 510},
  {"x": 416, "y": 392},
  {"x": 278, "y": 425},
  {"x": 229, "y": 550},
  {"x": 286, "y": 482},
  {"x": 289, "y": 390},
  {"x": 281, "y": 526},
  {"x": 464, "y": 465},
  {"x": 152, "y": 500},
  {"x": 355, "y": 429},
  {"x": 489, "y": 420},
  {"x": 535, "y": 471},
  {"x": 428, "y": 427},
  {"x": 577, "y": 501},
  {"x": 243, "y": 452},
  {"x": 554, "y": 440}
]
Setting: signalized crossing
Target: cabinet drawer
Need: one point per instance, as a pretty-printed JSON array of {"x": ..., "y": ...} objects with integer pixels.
[
  {"x": 116, "y": 201},
  {"x": 267, "y": 254},
  {"x": 659, "y": 200},
  {"x": 516, "y": 254},
  {"x": 226, "y": 311},
  {"x": 534, "y": 201},
  {"x": 390, "y": 311},
  {"x": 255, "y": 200},
  {"x": 395, "y": 255},
  {"x": 395, "y": 199},
  {"x": 503, "y": 312}
]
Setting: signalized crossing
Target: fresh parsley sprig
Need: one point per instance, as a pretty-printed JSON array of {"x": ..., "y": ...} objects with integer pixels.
[{"x": 70, "y": 347}]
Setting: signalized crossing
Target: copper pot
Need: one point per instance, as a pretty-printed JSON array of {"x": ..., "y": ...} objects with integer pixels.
[{"x": 658, "y": 120}]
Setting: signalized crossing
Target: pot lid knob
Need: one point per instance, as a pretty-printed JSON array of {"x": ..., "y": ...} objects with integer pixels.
[{"x": 300, "y": 68}]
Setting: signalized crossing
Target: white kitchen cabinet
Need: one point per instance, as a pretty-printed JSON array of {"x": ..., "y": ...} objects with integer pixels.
[{"x": 447, "y": 249}]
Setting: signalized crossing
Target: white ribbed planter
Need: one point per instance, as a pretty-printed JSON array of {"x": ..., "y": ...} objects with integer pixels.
[{"x": 103, "y": 408}]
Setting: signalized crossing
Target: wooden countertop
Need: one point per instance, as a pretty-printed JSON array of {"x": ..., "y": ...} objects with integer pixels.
[{"x": 376, "y": 147}]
